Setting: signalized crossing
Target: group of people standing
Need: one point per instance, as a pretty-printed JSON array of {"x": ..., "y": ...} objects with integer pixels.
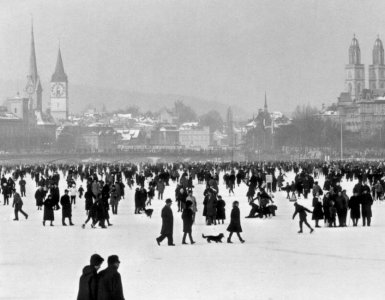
[{"x": 105, "y": 285}]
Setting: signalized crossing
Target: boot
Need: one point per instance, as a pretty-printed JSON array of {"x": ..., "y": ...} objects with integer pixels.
[
  {"x": 229, "y": 241},
  {"x": 43, "y": 223},
  {"x": 84, "y": 226},
  {"x": 311, "y": 230},
  {"x": 300, "y": 231}
]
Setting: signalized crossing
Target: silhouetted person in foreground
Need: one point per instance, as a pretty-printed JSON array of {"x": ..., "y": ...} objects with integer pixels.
[
  {"x": 88, "y": 283},
  {"x": 109, "y": 281}
]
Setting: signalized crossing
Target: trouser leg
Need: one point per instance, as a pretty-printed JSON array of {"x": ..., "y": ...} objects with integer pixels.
[{"x": 170, "y": 239}]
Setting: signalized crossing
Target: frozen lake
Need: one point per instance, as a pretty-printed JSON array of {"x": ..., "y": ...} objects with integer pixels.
[{"x": 39, "y": 262}]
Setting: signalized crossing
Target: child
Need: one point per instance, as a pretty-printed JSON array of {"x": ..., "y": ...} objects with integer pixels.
[
  {"x": 333, "y": 213},
  {"x": 221, "y": 211}
]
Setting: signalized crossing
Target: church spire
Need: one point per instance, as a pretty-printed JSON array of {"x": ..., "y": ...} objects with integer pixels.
[
  {"x": 265, "y": 107},
  {"x": 59, "y": 75},
  {"x": 32, "y": 60}
]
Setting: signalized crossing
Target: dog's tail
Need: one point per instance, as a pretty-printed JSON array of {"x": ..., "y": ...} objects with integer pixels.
[{"x": 205, "y": 237}]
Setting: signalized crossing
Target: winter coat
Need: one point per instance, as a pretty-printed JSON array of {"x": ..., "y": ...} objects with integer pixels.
[
  {"x": 48, "y": 210},
  {"x": 211, "y": 205},
  {"x": 301, "y": 210},
  {"x": 221, "y": 212},
  {"x": 17, "y": 202},
  {"x": 354, "y": 205},
  {"x": 88, "y": 284},
  {"x": 187, "y": 217},
  {"x": 66, "y": 206},
  {"x": 167, "y": 221},
  {"x": 318, "y": 213},
  {"x": 235, "y": 220},
  {"x": 366, "y": 202},
  {"x": 88, "y": 196},
  {"x": 160, "y": 186},
  {"x": 110, "y": 284},
  {"x": 114, "y": 198},
  {"x": 39, "y": 197}
]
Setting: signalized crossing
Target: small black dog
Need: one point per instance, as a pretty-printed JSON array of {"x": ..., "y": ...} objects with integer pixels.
[
  {"x": 215, "y": 238},
  {"x": 148, "y": 212}
]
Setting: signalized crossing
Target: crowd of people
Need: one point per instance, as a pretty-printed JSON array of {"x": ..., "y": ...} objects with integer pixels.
[{"x": 105, "y": 184}]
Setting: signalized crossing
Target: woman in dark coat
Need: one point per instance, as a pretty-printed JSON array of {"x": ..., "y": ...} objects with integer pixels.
[
  {"x": 188, "y": 220},
  {"x": 48, "y": 214},
  {"x": 88, "y": 196},
  {"x": 354, "y": 206},
  {"x": 318, "y": 213},
  {"x": 39, "y": 197},
  {"x": 221, "y": 211},
  {"x": 235, "y": 223},
  {"x": 326, "y": 205}
]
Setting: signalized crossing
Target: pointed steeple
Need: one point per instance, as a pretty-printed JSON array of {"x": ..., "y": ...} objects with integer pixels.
[
  {"x": 32, "y": 60},
  {"x": 265, "y": 107},
  {"x": 59, "y": 75}
]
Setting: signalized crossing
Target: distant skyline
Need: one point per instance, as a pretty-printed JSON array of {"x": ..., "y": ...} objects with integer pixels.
[{"x": 225, "y": 51}]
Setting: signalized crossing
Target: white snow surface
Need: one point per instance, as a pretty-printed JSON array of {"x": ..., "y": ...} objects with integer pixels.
[{"x": 39, "y": 262}]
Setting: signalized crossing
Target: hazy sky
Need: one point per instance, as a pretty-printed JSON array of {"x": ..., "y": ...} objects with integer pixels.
[{"x": 228, "y": 51}]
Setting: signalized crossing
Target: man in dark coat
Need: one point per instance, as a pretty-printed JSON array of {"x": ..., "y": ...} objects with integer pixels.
[
  {"x": 235, "y": 223},
  {"x": 188, "y": 220},
  {"x": 167, "y": 224},
  {"x": 110, "y": 283},
  {"x": 354, "y": 205},
  {"x": 65, "y": 202},
  {"x": 366, "y": 207},
  {"x": 301, "y": 210},
  {"x": 55, "y": 193},
  {"x": 18, "y": 204},
  {"x": 88, "y": 287}
]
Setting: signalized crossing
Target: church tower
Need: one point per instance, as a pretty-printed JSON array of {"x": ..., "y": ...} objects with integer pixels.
[
  {"x": 355, "y": 71},
  {"x": 59, "y": 91},
  {"x": 377, "y": 69},
  {"x": 33, "y": 88},
  {"x": 230, "y": 127}
]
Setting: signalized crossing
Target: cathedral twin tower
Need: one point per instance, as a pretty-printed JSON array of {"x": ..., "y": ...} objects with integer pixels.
[
  {"x": 355, "y": 71},
  {"x": 59, "y": 87}
]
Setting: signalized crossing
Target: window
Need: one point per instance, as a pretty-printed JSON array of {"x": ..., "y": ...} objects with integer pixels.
[{"x": 15, "y": 110}]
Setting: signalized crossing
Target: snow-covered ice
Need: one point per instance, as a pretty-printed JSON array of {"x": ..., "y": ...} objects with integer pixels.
[{"x": 39, "y": 262}]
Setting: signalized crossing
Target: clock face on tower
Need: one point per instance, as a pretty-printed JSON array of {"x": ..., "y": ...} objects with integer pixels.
[
  {"x": 29, "y": 89},
  {"x": 58, "y": 90}
]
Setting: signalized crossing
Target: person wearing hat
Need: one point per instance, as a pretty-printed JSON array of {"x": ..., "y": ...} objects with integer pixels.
[
  {"x": 109, "y": 281},
  {"x": 167, "y": 224},
  {"x": 66, "y": 208},
  {"x": 88, "y": 280}
]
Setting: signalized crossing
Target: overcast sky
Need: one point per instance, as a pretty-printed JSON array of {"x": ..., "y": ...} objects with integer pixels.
[{"x": 228, "y": 51}]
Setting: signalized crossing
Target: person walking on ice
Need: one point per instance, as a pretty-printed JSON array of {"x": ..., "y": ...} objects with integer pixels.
[
  {"x": 301, "y": 210},
  {"x": 235, "y": 223}
]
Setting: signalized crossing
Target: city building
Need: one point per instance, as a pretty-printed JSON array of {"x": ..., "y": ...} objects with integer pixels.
[
  {"x": 198, "y": 138},
  {"x": 362, "y": 109}
]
